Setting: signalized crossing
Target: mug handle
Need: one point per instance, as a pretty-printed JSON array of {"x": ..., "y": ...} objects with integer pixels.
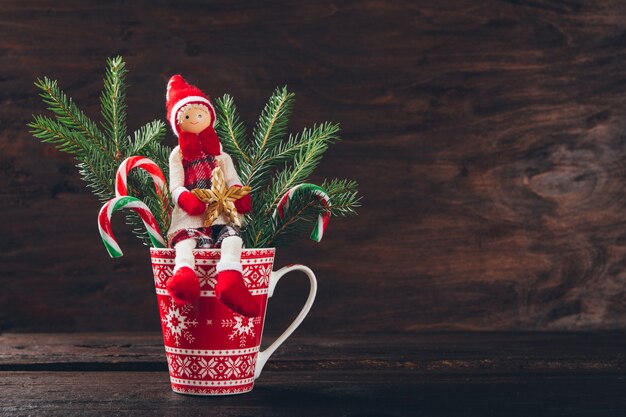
[{"x": 274, "y": 278}]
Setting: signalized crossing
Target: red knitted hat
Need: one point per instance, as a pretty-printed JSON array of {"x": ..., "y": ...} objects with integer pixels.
[{"x": 179, "y": 93}]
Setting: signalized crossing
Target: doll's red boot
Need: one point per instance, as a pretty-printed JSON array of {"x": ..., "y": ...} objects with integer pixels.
[
  {"x": 231, "y": 288},
  {"x": 184, "y": 286}
]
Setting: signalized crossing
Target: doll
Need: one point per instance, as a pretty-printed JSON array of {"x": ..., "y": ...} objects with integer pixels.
[{"x": 192, "y": 118}]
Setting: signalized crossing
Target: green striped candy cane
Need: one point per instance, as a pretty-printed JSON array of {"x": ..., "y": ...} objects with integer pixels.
[
  {"x": 126, "y": 202},
  {"x": 314, "y": 191}
]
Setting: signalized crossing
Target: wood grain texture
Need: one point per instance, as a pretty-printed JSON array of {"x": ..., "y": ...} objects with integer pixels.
[
  {"x": 487, "y": 138},
  {"x": 304, "y": 394},
  {"x": 424, "y": 353},
  {"x": 149, "y": 394},
  {"x": 426, "y": 374}
]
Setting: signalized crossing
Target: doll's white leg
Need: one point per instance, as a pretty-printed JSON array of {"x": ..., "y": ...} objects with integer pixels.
[
  {"x": 184, "y": 254},
  {"x": 231, "y": 255}
]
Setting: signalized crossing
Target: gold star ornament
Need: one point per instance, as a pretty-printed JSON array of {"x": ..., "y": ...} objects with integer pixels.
[{"x": 220, "y": 199}]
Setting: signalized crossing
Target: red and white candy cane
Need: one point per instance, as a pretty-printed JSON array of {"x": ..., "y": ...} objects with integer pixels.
[
  {"x": 126, "y": 202},
  {"x": 315, "y": 191},
  {"x": 121, "y": 178}
]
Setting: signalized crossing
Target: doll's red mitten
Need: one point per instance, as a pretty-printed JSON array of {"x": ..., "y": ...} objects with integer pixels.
[
  {"x": 184, "y": 286},
  {"x": 244, "y": 204},
  {"x": 191, "y": 204}
]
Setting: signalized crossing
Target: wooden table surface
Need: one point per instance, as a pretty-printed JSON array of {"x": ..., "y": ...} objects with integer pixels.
[{"x": 461, "y": 374}]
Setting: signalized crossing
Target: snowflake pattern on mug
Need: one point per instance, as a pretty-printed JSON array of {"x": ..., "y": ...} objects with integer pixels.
[
  {"x": 207, "y": 367},
  {"x": 225, "y": 367},
  {"x": 207, "y": 278},
  {"x": 176, "y": 322},
  {"x": 161, "y": 274},
  {"x": 183, "y": 364},
  {"x": 242, "y": 327},
  {"x": 257, "y": 276},
  {"x": 247, "y": 364}
]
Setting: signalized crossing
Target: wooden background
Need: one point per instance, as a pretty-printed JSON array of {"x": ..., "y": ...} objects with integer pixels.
[{"x": 486, "y": 136}]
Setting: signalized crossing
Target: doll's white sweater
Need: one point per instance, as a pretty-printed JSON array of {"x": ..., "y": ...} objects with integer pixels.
[{"x": 180, "y": 219}]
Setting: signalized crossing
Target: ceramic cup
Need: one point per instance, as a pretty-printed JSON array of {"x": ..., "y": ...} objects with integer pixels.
[{"x": 210, "y": 349}]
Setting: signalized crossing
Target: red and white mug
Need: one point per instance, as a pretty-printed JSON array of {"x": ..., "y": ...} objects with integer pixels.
[{"x": 210, "y": 349}]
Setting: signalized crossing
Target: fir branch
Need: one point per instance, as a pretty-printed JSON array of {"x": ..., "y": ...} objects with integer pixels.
[
  {"x": 285, "y": 227},
  {"x": 98, "y": 171},
  {"x": 231, "y": 130},
  {"x": 160, "y": 154},
  {"x": 296, "y": 230},
  {"x": 113, "y": 104},
  {"x": 343, "y": 195},
  {"x": 315, "y": 143},
  {"x": 286, "y": 151},
  {"x": 68, "y": 114},
  {"x": 147, "y": 135},
  {"x": 272, "y": 124},
  {"x": 50, "y": 131},
  {"x": 267, "y": 135}
]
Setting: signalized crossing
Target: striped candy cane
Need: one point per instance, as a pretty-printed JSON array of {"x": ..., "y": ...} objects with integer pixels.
[
  {"x": 125, "y": 202},
  {"x": 121, "y": 178},
  {"x": 317, "y": 192}
]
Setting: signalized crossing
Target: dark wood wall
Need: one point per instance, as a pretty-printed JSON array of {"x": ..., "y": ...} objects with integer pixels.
[{"x": 486, "y": 136}]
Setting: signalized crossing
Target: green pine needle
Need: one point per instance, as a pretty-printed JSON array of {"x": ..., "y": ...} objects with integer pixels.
[
  {"x": 287, "y": 150},
  {"x": 68, "y": 114},
  {"x": 344, "y": 196},
  {"x": 272, "y": 125},
  {"x": 113, "y": 103},
  {"x": 268, "y": 134},
  {"x": 231, "y": 131},
  {"x": 50, "y": 131}
]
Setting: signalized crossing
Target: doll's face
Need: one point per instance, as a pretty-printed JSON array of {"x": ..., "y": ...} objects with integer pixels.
[{"x": 195, "y": 120}]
